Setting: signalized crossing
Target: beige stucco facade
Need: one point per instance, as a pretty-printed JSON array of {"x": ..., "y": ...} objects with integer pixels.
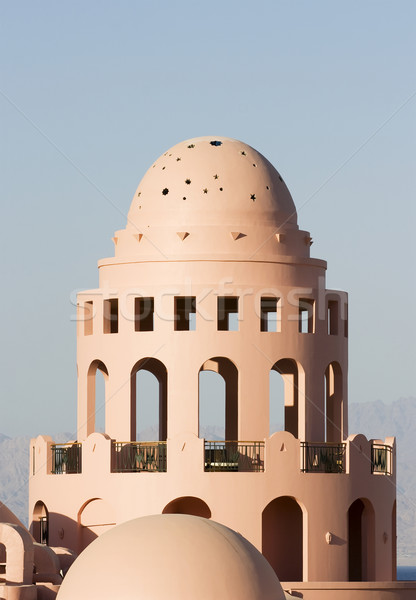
[{"x": 213, "y": 273}]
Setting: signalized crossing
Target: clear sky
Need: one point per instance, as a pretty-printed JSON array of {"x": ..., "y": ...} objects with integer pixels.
[{"x": 92, "y": 92}]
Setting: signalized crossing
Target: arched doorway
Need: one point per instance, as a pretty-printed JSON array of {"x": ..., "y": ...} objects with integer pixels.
[
  {"x": 333, "y": 403},
  {"x": 284, "y": 391},
  {"x": 188, "y": 505},
  {"x": 40, "y": 523},
  {"x": 149, "y": 398},
  {"x": 361, "y": 541},
  {"x": 282, "y": 538},
  {"x": 218, "y": 398},
  {"x": 97, "y": 378}
]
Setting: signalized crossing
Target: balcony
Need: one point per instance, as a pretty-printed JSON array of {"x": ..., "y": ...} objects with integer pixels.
[
  {"x": 234, "y": 456},
  {"x": 136, "y": 457},
  {"x": 381, "y": 459},
  {"x": 322, "y": 458},
  {"x": 66, "y": 458}
]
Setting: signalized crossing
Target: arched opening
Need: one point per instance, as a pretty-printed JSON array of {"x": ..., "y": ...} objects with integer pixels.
[
  {"x": 284, "y": 395},
  {"x": 94, "y": 518},
  {"x": 276, "y": 402},
  {"x": 282, "y": 538},
  {"x": 96, "y": 396},
  {"x": 40, "y": 523},
  {"x": 149, "y": 399},
  {"x": 188, "y": 505},
  {"x": 218, "y": 399},
  {"x": 333, "y": 403},
  {"x": 361, "y": 541},
  {"x": 394, "y": 541}
]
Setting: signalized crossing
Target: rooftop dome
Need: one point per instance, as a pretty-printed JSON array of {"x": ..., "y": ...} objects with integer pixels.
[
  {"x": 180, "y": 557},
  {"x": 208, "y": 180}
]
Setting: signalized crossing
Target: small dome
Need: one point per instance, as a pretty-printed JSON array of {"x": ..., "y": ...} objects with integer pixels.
[
  {"x": 180, "y": 557},
  {"x": 209, "y": 180}
]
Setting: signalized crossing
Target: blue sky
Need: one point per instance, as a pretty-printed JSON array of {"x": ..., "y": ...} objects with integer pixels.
[{"x": 92, "y": 92}]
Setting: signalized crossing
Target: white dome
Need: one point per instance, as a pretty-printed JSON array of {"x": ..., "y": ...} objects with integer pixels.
[
  {"x": 207, "y": 180},
  {"x": 175, "y": 557}
]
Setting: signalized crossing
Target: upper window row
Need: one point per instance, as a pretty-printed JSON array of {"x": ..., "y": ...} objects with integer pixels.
[{"x": 227, "y": 315}]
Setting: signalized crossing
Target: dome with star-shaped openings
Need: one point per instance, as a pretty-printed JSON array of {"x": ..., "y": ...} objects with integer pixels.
[{"x": 211, "y": 197}]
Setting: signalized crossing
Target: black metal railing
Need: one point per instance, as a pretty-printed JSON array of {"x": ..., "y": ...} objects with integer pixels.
[
  {"x": 134, "y": 457},
  {"x": 381, "y": 457},
  {"x": 323, "y": 458},
  {"x": 234, "y": 456},
  {"x": 66, "y": 458}
]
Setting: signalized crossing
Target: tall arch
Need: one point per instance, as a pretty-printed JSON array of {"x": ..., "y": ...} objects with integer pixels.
[
  {"x": 188, "y": 505},
  {"x": 333, "y": 402},
  {"x": 40, "y": 523},
  {"x": 282, "y": 537},
  {"x": 96, "y": 396},
  {"x": 149, "y": 395},
  {"x": 361, "y": 543},
  {"x": 227, "y": 370},
  {"x": 289, "y": 371}
]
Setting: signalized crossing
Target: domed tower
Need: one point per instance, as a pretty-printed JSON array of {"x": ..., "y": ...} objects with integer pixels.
[{"x": 212, "y": 273}]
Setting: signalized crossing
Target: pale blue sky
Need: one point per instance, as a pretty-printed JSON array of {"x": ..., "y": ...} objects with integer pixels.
[{"x": 92, "y": 92}]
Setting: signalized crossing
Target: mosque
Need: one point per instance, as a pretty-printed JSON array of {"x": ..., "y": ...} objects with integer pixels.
[{"x": 211, "y": 275}]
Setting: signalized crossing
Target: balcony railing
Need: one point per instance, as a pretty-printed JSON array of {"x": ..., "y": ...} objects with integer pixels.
[
  {"x": 234, "y": 456},
  {"x": 381, "y": 456},
  {"x": 323, "y": 458},
  {"x": 66, "y": 458},
  {"x": 134, "y": 457}
]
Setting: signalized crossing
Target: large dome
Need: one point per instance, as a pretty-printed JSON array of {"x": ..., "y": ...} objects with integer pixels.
[
  {"x": 180, "y": 557},
  {"x": 209, "y": 180},
  {"x": 211, "y": 198}
]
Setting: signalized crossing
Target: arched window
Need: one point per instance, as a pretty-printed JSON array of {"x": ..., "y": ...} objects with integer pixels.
[
  {"x": 282, "y": 538},
  {"x": 40, "y": 523},
  {"x": 149, "y": 389},
  {"x": 96, "y": 396},
  {"x": 218, "y": 399},
  {"x": 361, "y": 541},
  {"x": 284, "y": 395},
  {"x": 333, "y": 403},
  {"x": 188, "y": 505}
]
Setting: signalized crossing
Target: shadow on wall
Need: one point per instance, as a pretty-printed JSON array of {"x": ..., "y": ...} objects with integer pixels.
[
  {"x": 57, "y": 530},
  {"x": 188, "y": 505}
]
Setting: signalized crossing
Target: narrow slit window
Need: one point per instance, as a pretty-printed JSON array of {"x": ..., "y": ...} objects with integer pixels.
[
  {"x": 227, "y": 313},
  {"x": 306, "y": 315},
  {"x": 111, "y": 315},
  {"x": 144, "y": 309},
  {"x": 269, "y": 314},
  {"x": 332, "y": 317},
  {"x": 345, "y": 317},
  {"x": 88, "y": 315},
  {"x": 185, "y": 313}
]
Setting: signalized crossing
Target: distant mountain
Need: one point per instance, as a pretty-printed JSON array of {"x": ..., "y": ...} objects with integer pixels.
[{"x": 373, "y": 419}]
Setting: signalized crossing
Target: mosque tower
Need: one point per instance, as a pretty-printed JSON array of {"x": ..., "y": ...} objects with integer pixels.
[{"x": 212, "y": 273}]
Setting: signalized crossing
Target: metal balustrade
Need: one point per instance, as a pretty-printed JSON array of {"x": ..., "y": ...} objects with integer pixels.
[
  {"x": 234, "y": 456},
  {"x": 135, "y": 457},
  {"x": 66, "y": 458},
  {"x": 323, "y": 458},
  {"x": 381, "y": 459}
]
